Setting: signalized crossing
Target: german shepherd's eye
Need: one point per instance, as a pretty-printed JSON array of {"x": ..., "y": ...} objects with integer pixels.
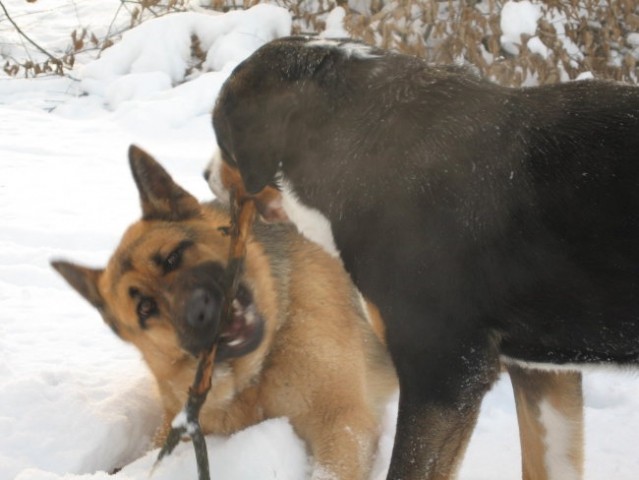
[
  {"x": 146, "y": 308},
  {"x": 172, "y": 262},
  {"x": 174, "y": 259}
]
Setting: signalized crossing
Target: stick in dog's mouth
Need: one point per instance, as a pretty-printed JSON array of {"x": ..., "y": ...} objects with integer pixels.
[
  {"x": 242, "y": 217},
  {"x": 196, "y": 313}
]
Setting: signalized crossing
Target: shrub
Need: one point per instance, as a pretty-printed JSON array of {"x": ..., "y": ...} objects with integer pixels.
[{"x": 567, "y": 38}]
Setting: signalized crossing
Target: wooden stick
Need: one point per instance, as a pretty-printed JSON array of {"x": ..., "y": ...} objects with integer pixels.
[{"x": 187, "y": 421}]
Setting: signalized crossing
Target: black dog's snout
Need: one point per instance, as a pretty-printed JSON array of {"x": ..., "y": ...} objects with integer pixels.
[{"x": 202, "y": 309}]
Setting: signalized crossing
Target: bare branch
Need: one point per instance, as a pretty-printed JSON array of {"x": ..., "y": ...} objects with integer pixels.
[{"x": 56, "y": 61}]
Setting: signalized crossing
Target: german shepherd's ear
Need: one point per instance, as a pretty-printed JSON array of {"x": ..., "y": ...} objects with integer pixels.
[
  {"x": 84, "y": 280},
  {"x": 161, "y": 197}
]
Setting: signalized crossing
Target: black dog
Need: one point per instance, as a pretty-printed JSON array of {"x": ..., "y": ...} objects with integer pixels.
[{"x": 484, "y": 222}]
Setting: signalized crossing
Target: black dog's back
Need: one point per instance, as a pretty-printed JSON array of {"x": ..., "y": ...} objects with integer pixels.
[
  {"x": 579, "y": 229},
  {"x": 483, "y": 221}
]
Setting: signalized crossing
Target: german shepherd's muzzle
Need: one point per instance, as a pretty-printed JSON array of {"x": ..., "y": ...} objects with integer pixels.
[{"x": 196, "y": 314}]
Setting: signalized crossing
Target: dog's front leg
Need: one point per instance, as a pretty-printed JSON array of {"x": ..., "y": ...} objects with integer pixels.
[
  {"x": 441, "y": 389},
  {"x": 342, "y": 439}
]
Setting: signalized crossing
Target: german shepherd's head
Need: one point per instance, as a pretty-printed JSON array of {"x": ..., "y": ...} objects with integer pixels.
[
  {"x": 164, "y": 279},
  {"x": 300, "y": 343}
]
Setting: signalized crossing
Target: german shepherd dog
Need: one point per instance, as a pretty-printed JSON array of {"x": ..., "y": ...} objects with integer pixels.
[
  {"x": 299, "y": 344},
  {"x": 485, "y": 222}
]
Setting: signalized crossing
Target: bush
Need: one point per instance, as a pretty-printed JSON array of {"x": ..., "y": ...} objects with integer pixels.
[
  {"x": 567, "y": 38},
  {"x": 572, "y": 37}
]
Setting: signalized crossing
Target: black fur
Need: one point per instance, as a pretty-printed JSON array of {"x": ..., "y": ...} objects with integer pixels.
[{"x": 481, "y": 220}]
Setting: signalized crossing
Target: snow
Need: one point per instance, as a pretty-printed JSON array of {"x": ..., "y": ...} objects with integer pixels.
[
  {"x": 585, "y": 76},
  {"x": 535, "y": 45},
  {"x": 335, "y": 24},
  {"x": 521, "y": 18},
  {"x": 517, "y": 19},
  {"x": 76, "y": 402}
]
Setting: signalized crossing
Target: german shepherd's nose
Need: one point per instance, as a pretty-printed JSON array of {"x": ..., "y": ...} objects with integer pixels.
[
  {"x": 202, "y": 309},
  {"x": 197, "y": 306}
]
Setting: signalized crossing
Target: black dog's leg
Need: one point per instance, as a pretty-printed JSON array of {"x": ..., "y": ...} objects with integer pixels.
[
  {"x": 441, "y": 389},
  {"x": 430, "y": 440}
]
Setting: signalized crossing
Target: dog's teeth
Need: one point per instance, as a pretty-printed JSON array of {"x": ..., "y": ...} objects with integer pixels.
[{"x": 236, "y": 342}]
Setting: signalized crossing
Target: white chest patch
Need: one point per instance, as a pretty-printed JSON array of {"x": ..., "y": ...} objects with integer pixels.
[{"x": 309, "y": 221}]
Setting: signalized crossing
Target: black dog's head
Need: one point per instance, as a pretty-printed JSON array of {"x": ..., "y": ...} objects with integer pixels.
[{"x": 272, "y": 109}]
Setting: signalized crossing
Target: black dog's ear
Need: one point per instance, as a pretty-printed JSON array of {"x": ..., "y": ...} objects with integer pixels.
[
  {"x": 161, "y": 197},
  {"x": 83, "y": 279}
]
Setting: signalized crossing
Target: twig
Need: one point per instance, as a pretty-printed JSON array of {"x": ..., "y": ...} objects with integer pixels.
[
  {"x": 187, "y": 422},
  {"x": 117, "y": 12},
  {"x": 57, "y": 62}
]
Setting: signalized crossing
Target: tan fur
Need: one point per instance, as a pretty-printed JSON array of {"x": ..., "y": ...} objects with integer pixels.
[
  {"x": 317, "y": 370},
  {"x": 563, "y": 392},
  {"x": 320, "y": 364}
]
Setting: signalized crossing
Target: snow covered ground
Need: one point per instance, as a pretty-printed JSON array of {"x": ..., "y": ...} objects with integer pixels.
[{"x": 75, "y": 402}]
